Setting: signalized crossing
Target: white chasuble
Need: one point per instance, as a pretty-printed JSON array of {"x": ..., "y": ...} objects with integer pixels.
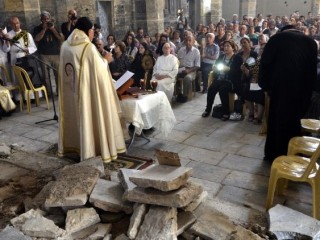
[{"x": 89, "y": 121}]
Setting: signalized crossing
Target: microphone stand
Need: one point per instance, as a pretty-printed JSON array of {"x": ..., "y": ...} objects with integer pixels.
[{"x": 55, "y": 116}]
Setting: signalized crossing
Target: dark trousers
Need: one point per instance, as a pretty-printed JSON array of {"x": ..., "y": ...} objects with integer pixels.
[
  {"x": 223, "y": 88},
  {"x": 205, "y": 69}
]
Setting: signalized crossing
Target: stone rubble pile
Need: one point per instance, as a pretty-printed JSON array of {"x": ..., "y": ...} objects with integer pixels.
[{"x": 83, "y": 203}]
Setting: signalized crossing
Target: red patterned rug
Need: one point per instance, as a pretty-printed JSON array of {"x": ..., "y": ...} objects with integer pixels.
[{"x": 130, "y": 162}]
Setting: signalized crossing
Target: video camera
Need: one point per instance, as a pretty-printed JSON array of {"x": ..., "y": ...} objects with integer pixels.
[{"x": 49, "y": 24}]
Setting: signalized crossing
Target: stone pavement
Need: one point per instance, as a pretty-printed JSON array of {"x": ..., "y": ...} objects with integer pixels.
[{"x": 226, "y": 157}]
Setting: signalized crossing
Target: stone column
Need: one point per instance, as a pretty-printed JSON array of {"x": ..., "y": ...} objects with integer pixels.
[
  {"x": 248, "y": 7},
  {"x": 216, "y": 10},
  {"x": 155, "y": 17},
  {"x": 315, "y": 7},
  {"x": 205, "y": 11},
  {"x": 27, "y": 11}
]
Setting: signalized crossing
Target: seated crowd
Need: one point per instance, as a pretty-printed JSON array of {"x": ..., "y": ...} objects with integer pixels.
[{"x": 172, "y": 58}]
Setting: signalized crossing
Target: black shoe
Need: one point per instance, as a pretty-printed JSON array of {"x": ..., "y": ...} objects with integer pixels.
[
  {"x": 205, "y": 114},
  {"x": 204, "y": 91}
]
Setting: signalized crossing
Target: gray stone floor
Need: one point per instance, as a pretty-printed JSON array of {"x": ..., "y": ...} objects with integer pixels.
[{"x": 226, "y": 157}]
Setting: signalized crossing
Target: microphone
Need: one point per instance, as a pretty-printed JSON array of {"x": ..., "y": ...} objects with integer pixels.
[{"x": 9, "y": 40}]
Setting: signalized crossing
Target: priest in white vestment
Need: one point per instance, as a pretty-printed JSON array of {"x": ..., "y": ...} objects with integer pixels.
[
  {"x": 89, "y": 122},
  {"x": 165, "y": 71}
]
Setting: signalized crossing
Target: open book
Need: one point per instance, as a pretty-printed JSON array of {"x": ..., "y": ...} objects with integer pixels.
[{"x": 123, "y": 79}]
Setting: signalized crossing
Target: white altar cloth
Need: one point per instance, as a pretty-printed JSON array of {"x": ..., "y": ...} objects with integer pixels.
[{"x": 147, "y": 111}]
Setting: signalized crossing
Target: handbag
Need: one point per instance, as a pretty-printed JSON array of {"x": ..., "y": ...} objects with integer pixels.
[{"x": 217, "y": 111}]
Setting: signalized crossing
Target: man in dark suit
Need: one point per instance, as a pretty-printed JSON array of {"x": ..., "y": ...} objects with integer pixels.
[{"x": 288, "y": 71}]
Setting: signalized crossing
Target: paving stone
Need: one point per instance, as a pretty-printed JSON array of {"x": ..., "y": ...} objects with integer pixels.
[
  {"x": 177, "y": 198},
  {"x": 94, "y": 232},
  {"x": 41, "y": 227},
  {"x": 73, "y": 186},
  {"x": 124, "y": 175},
  {"x": 81, "y": 218},
  {"x": 195, "y": 203},
  {"x": 159, "y": 223},
  {"x": 139, "y": 211},
  {"x": 18, "y": 221},
  {"x": 252, "y": 139},
  {"x": 208, "y": 172},
  {"x": 245, "y": 164},
  {"x": 203, "y": 155},
  {"x": 175, "y": 135},
  {"x": 107, "y": 195},
  {"x": 5, "y": 150},
  {"x": 96, "y": 163},
  {"x": 247, "y": 181},
  {"x": 211, "y": 187},
  {"x": 283, "y": 226},
  {"x": 185, "y": 220},
  {"x": 237, "y": 213},
  {"x": 252, "y": 151},
  {"x": 213, "y": 226},
  {"x": 244, "y": 197},
  {"x": 162, "y": 177},
  {"x": 11, "y": 233}
]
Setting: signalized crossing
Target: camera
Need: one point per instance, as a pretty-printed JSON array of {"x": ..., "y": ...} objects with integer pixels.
[
  {"x": 49, "y": 24},
  {"x": 73, "y": 17}
]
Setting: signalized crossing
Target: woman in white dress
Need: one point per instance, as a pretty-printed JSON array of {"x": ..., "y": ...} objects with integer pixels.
[{"x": 165, "y": 71}]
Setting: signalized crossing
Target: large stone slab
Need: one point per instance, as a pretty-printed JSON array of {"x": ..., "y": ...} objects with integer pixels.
[
  {"x": 81, "y": 218},
  {"x": 213, "y": 226},
  {"x": 94, "y": 232},
  {"x": 73, "y": 186},
  {"x": 107, "y": 195},
  {"x": 177, "y": 198},
  {"x": 195, "y": 203},
  {"x": 18, "y": 221},
  {"x": 96, "y": 163},
  {"x": 139, "y": 211},
  {"x": 159, "y": 223},
  {"x": 34, "y": 224},
  {"x": 185, "y": 220},
  {"x": 124, "y": 174},
  {"x": 237, "y": 213},
  {"x": 41, "y": 227},
  {"x": 162, "y": 177},
  {"x": 11, "y": 233},
  {"x": 283, "y": 226}
]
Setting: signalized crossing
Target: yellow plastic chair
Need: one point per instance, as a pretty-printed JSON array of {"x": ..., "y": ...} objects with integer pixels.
[
  {"x": 310, "y": 125},
  {"x": 27, "y": 87},
  {"x": 297, "y": 169},
  {"x": 303, "y": 145},
  {"x": 10, "y": 86}
]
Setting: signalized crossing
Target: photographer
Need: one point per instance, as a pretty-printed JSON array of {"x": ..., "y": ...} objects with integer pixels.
[
  {"x": 67, "y": 27},
  {"x": 48, "y": 41}
]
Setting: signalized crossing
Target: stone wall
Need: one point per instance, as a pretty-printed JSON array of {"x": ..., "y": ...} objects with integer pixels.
[{"x": 119, "y": 16}]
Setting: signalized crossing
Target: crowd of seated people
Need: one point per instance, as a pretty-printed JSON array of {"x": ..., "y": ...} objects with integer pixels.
[{"x": 248, "y": 34}]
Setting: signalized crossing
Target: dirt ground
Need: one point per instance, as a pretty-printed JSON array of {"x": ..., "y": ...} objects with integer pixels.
[{"x": 21, "y": 179}]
